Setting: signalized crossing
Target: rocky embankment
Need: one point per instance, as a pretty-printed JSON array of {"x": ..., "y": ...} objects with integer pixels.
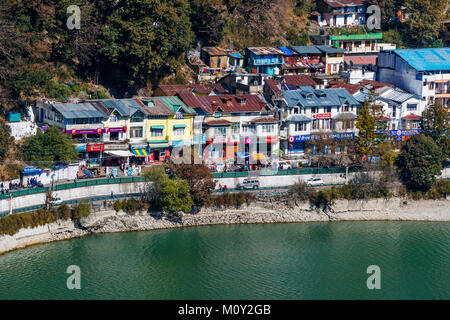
[{"x": 260, "y": 212}]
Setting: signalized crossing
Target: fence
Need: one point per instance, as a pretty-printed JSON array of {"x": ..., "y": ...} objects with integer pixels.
[
  {"x": 240, "y": 174},
  {"x": 72, "y": 185}
]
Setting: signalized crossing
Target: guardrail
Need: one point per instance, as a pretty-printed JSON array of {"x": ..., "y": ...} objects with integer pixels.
[
  {"x": 72, "y": 185},
  {"x": 300, "y": 171}
]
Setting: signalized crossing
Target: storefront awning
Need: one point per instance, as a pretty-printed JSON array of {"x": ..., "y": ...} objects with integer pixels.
[
  {"x": 158, "y": 145},
  {"x": 157, "y": 127},
  {"x": 241, "y": 155},
  {"x": 179, "y": 126},
  {"x": 140, "y": 153},
  {"x": 299, "y": 118},
  {"x": 120, "y": 153}
]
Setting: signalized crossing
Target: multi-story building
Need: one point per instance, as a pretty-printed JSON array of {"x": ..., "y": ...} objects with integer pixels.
[
  {"x": 342, "y": 13},
  {"x": 233, "y": 126},
  {"x": 424, "y": 72},
  {"x": 309, "y": 114},
  {"x": 264, "y": 60},
  {"x": 368, "y": 43}
]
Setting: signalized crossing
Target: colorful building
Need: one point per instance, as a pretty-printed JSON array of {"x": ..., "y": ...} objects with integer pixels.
[{"x": 266, "y": 60}]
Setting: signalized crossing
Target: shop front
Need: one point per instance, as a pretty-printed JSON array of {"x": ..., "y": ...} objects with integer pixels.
[
  {"x": 296, "y": 144},
  {"x": 158, "y": 151},
  {"x": 141, "y": 156}
]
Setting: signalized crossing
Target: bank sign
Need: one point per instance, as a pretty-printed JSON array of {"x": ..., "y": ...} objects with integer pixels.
[{"x": 325, "y": 136}]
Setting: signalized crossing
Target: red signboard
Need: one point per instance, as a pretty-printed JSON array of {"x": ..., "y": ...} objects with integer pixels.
[
  {"x": 271, "y": 139},
  {"x": 95, "y": 147},
  {"x": 322, "y": 116}
]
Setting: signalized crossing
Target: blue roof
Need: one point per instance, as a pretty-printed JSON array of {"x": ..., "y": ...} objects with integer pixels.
[
  {"x": 236, "y": 55},
  {"x": 426, "y": 59},
  {"x": 286, "y": 51},
  {"x": 310, "y": 97}
]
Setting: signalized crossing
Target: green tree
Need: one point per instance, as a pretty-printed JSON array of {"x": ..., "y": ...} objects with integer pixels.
[
  {"x": 436, "y": 124},
  {"x": 371, "y": 130},
  {"x": 419, "y": 162},
  {"x": 141, "y": 35},
  {"x": 166, "y": 194},
  {"x": 425, "y": 21},
  {"x": 6, "y": 141},
  {"x": 49, "y": 147}
]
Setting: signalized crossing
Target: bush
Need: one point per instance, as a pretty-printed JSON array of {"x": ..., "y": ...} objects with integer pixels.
[
  {"x": 64, "y": 212},
  {"x": 229, "y": 200},
  {"x": 117, "y": 205},
  {"x": 130, "y": 206},
  {"x": 81, "y": 210}
]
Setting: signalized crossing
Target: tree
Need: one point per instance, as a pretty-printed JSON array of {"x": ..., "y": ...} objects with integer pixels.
[
  {"x": 371, "y": 130},
  {"x": 199, "y": 178},
  {"x": 6, "y": 141},
  {"x": 141, "y": 35},
  {"x": 167, "y": 194},
  {"x": 49, "y": 147},
  {"x": 419, "y": 162},
  {"x": 436, "y": 124},
  {"x": 425, "y": 21}
]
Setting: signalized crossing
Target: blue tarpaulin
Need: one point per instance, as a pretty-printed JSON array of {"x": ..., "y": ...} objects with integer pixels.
[{"x": 241, "y": 155}]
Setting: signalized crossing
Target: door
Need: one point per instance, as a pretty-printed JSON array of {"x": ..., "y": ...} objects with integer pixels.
[
  {"x": 156, "y": 155},
  {"x": 329, "y": 69}
]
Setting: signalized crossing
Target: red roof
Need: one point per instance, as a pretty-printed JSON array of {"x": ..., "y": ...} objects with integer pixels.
[
  {"x": 361, "y": 60},
  {"x": 227, "y": 103},
  {"x": 206, "y": 88},
  {"x": 375, "y": 84},
  {"x": 384, "y": 119},
  {"x": 299, "y": 80},
  {"x": 218, "y": 122},
  {"x": 273, "y": 85},
  {"x": 352, "y": 88},
  {"x": 264, "y": 120},
  {"x": 412, "y": 117}
]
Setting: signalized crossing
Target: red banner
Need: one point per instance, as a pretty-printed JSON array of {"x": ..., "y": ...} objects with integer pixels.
[
  {"x": 95, "y": 147},
  {"x": 322, "y": 116}
]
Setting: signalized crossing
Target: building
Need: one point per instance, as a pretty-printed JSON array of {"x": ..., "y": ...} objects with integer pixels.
[
  {"x": 368, "y": 43},
  {"x": 342, "y": 13},
  {"x": 402, "y": 111},
  {"x": 274, "y": 87},
  {"x": 169, "y": 124},
  {"x": 266, "y": 60},
  {"x": 359, "y": 68},
  {"x": 309, "y": 114},
  {"x": 197, "y": 89},
  {"x": 332, "y": 58},
  {"x": 424, "y": 72},
  {"x": 233, "y": 126},
  {"x": 219, "y": 58},
  {"x": 309, "y": 59},
  {"x": 244, "y": 83}
]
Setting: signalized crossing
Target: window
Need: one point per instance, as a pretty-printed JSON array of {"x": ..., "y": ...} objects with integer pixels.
[
  {"x": 156, "y": 132},
  {"x": 411, "y": 107},
  {"x": 431, "y": 85},
  {"x": 220, "y": 131},
  {"x": 415, "y": 125},
  {"x": 326, "y": 124},
  {"x": 137, "y": 117},
  {"x": 315, "y": 124},
  {"x": 235, "y": 127},
  {"x": 314, "y": 110},
  {"x": 328, "y": 109},
  {"x": 178, "y": 131},
  {"x": 136, "y": 132},
  {"x": 300, "y": 126},
  {"x": 296, "y": 110},
  {"x": 394, "y": 111},
  {"x": 247, "y": 129},
  {"x": 179, "y": 115},
  {"x": 268, "y": 128}
]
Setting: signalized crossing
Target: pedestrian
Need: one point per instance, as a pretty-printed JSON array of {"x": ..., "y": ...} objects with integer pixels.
[{"x": 112, "y": 195}]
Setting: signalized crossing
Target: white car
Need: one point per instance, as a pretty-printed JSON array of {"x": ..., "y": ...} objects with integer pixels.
[{"x": 314, "y": 182}]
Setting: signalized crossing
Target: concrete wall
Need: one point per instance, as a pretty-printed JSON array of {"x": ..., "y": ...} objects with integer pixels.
[{"x": 72, "y": 194}]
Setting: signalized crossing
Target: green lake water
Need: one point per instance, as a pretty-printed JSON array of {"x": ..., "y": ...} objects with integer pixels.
[{"x": 274, "y": 261}]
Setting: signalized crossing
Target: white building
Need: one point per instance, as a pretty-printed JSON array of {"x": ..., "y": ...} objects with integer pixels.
[
  {"x": 424, "y": 72},
  {"x": 341, "y": 13}
]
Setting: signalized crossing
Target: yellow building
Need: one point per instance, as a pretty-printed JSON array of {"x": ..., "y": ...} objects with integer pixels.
[{"x": 169, "y": 124}]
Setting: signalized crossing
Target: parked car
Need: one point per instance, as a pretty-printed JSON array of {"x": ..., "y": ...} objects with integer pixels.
[
  {"x": 249, "y": 183},
  {"x": 282, "y": 165},
  {"x": 314, "y": 182},
  {"x": 56, "y": 202}
]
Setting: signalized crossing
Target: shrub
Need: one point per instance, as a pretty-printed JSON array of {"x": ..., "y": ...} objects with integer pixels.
[
  {"x": 117, "y": 205},
  {"x": 229, "y": 200},
  {"x": 130, "y": 206},
  {"x": 64, "y": 212},
  {"x": 81, "y": 210}
]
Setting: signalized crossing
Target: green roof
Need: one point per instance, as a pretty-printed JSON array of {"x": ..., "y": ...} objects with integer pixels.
[{"x": 369, "y": 36}]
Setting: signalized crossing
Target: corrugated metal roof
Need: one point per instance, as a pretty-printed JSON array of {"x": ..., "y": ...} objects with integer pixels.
[
  {"x": 79, "y": 110},
  {"x": 309, "y": 97},
  {"x": 330, "y": 49},
  {"x": 428, "y": 59},
  {"x": 307, "y": 50},
  {"x": 265, "y": 50}
]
